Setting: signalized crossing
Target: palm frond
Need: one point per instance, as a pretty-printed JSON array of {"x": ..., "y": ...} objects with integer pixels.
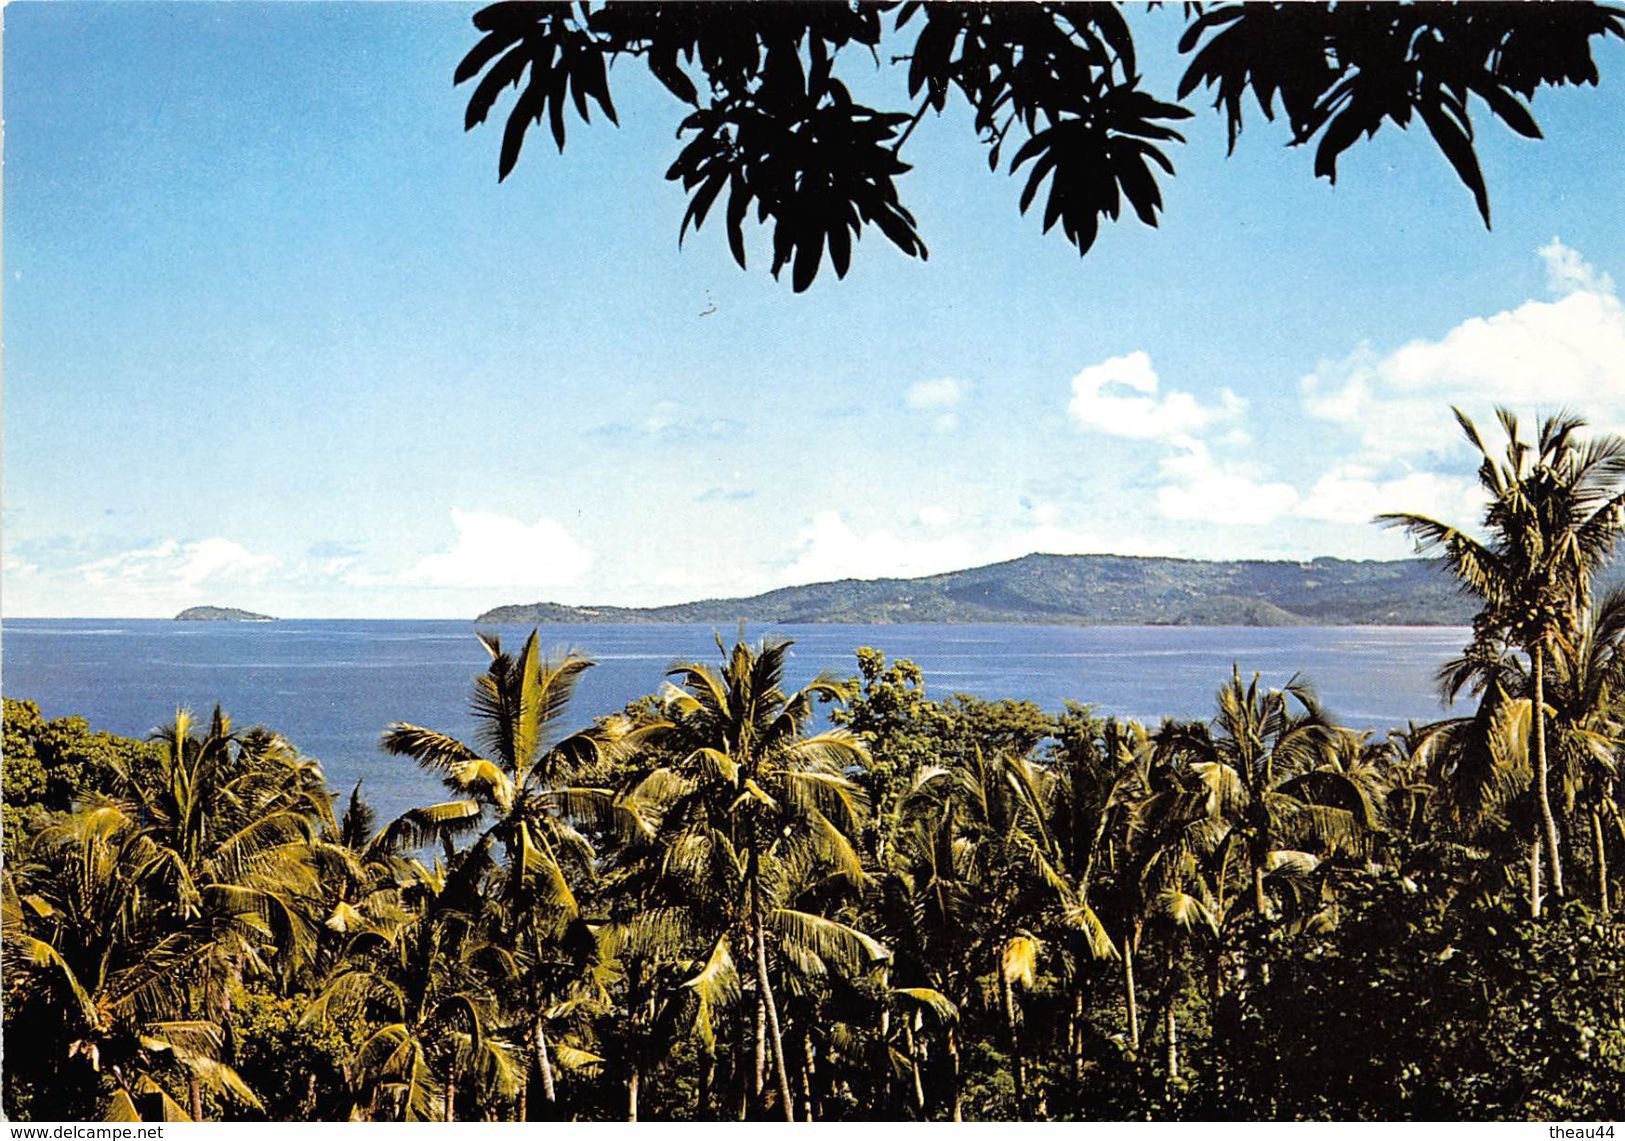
[
  {"x": 928, "y": 998},
  {"x": 715, "y": 986},
  {"x": 1018, "y": 960},
  {"x": 419, "y": 826},
  {"x": 837, "y": 944},
  {"x": 433, "y": 750}
]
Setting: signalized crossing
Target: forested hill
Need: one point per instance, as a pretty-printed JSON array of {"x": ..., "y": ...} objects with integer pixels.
[
  {"x": 220, "y": 614},
  {"x": 1087, "y": 590}
]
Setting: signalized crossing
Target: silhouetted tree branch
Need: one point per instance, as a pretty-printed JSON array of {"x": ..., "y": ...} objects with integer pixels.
[{"x": 770, "y": 123}]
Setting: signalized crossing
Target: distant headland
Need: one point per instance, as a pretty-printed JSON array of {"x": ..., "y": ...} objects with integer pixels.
[
  {"x": 1083, "y": 590},
  {"x": 220, "y": 614}
]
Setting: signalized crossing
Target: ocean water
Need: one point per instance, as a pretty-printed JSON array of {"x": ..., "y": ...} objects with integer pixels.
[{"x": 332, "y": 687}]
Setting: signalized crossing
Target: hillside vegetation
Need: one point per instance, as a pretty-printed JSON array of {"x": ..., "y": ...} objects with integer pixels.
[
  {"x": 220, "y": 614},
  {"x": 1083, "y": 590}
]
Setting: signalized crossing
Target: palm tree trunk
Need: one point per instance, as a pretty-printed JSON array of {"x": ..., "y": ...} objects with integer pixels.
[
  {"x": 761, "y": 1055},
  {"x": 449, "y": 1113},
  {"x": 1548, "y": 822},
  {"x": 739, "y": 1072},
  {"x": 953, "y": 1073},
  {"x": 632, "y": 1094},
  {"x": 1261, "y": 901},
  {"x": 1600, "y": 848},
  {"x": 1172, "y": 1035},
  {"x": 544, "y": 1064},
  {"x": 1076, "y": 1032},
  {"x": 1018, "y": 1064},
  {"x": 807, "y": 1070},
  {"x": 775, "y": 1035},
  {"x": 882, "y": 1061},
  {"x": 1128, "y": 990},
  {"x": 1094, "y": 851},
  {"x": 194, "y": 1086},
  {"x": 1534, "y": 877},
  {"x": 708, "y": 1079},
  {"x": 914, "y": 1067}
]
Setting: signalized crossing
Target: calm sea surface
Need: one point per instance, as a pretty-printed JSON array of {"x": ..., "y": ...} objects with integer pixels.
[{"x": 332, "y": 687}]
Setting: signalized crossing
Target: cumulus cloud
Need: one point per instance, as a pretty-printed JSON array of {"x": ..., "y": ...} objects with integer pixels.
[
  {"x": 941, "y": 398},
  {"x": 1356, "y": 493},
  {"x": 1570, "y": 350},
  {"x": 1567, "y": 272},
  {"x": 494, "y": 550},
  {"x": 1120, "y": 397},
  {"x": 1123, "y": 396},
  {"x": 828, "y": 548},
  {"x": 1198, "y": 486},
  {"x": 172, "y": 563},
  {"x": 55, "y": 577}
]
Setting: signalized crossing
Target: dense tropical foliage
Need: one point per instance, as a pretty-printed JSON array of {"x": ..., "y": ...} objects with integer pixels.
[{"x": 735, "y": 900}]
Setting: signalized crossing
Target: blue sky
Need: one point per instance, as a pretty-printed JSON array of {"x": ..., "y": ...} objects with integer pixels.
[{"x": 275, "y": 337}]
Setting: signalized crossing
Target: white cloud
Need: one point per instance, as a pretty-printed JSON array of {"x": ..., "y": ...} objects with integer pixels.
[
  {"x": 828, "y": 548},
  {"x": 934, "y": 515},
  {"x": 172, "y": 563},
  {"x": 1567, "y": 272},
  {"x": 942, "y": 397},
  {"x": 495, "y": 551},
  {"x": 1354, "y": 493},
  {"x": 1200, "y": 487},
  {"x": 157, "y": 579},
  {"x": 15, "y": 566},
  {"x": 1050, "y": 538},
  {"x": 1570, "y": 351},
  {"x": 928, "y": 395},
  {"x": 1120, "y": 397}
]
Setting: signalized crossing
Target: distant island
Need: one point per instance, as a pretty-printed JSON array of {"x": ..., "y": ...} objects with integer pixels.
[
  {"x": 220, "y": 614},
  {"x": 1082, "y": 590}
]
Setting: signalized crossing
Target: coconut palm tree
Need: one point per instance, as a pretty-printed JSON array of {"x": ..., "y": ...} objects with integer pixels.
[
  {"x": 426, "y": 992},
  {"x": 526, "y": 792},
  {"x": 1263, "y": 772},
  {"x": 232, "y": 819},
  {"x": 924, "y": 903},
  {"x": 1101, "y": 777},
  {"x": 763, "y": 793},
  {"x": 1588, "y": 723},
  {"x": 1554, "y": 516},
  {"x": 102, "y": 967}
]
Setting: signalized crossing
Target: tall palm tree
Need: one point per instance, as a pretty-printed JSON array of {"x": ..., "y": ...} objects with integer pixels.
[
  {"x": 995, "y": 881},
  {"x": 99, "y": 964},
  {"x": 525, "y": 791},
  {"x": 426, "y": 991},
  {"x": 232, "y": 818},
  {"x": 1588, "y": 708},
  {"x": 1554, "y": 516},
  {"x": 925, "y": 904},
  {"x": 1262, "y": 769},
  {"x": 1165, "y": 843},
  {"x": 1101, "y": 778},
  {"x": 765, "y": 791}
]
